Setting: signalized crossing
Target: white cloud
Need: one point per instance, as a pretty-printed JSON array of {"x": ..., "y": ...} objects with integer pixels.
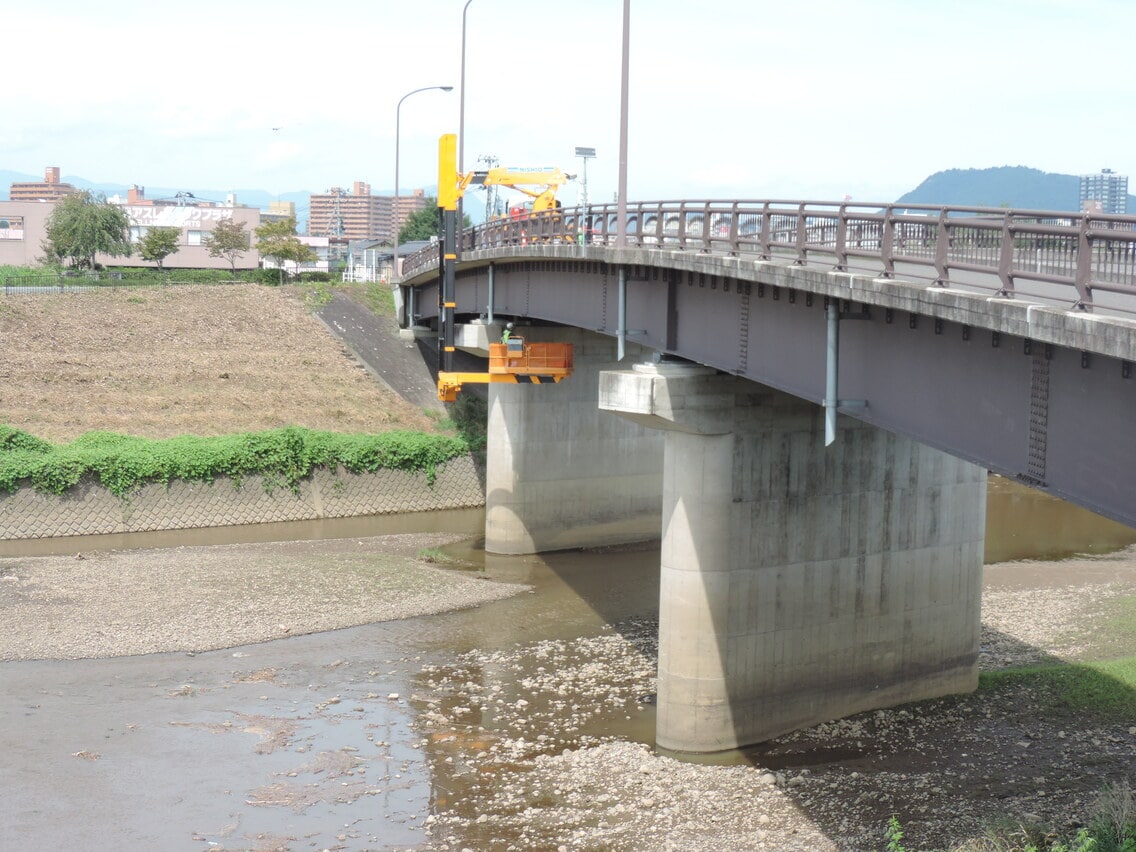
[{"x": 731, "y": 98}]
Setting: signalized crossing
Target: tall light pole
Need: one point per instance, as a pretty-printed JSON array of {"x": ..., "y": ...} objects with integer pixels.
[
  {"x": 621, "y": 201},
  {"x": 394, "y": 202},
  {"x": 461, "y": 120},
  {"x": 461, "y": 104}
]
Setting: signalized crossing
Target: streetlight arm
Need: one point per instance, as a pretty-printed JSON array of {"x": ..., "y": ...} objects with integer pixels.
[{"x": 394, "y": 201}]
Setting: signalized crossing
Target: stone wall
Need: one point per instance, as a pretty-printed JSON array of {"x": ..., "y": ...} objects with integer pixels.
[{"x": 90, "y": 509}]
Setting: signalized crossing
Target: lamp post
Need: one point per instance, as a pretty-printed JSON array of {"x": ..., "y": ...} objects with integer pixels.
[
  {"x": 461, "y": 120},
  {"x": 621, "y": 201},
  {"x": 461, "y": 104},
  {"x": 394, "y": 201},
  {"x": 585, "y": 154}
]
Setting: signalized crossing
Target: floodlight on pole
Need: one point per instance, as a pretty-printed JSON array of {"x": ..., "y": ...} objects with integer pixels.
[
  {"x": 394, "y": 201},
  {"x": 585, "y": 154}
]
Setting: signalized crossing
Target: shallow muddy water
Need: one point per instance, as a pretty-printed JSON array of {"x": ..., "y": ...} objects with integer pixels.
[{"x": 352, "y": 739}]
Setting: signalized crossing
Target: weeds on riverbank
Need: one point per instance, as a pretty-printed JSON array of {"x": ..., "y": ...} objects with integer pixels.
[
  {"x": 1112, "y": 828},
  {"x": 1106, "y": 689},
  {"x": 121, "y": 463}
]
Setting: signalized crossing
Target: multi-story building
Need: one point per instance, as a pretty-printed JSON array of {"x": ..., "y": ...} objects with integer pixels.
[
  {"x": 359, "y": 215},
  {"x": 23, "y": 229},
  {"x": 279, "y": 211},
  {"x": 51, "y": 189},
  {"x": 339, "y": 214},
  {"x": 1106, "y": 192}
]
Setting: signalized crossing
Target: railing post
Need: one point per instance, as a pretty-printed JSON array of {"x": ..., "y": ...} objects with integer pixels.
[
  {"x": 887, "y": 244},
  {"x": 842, "y": 239},
  {"x": 706, "y": 246},
  {"x": 1084, "y": 275},
  {"x": 1006, "y": 257},
  {"x": 802, "y": 252},
  {"x": 763, "y": 242},
  {"x": 735, "y": 248},
  {"x": 942, "y": 244}
]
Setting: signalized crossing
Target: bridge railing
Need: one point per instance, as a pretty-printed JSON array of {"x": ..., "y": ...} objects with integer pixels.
[{"x": 1085, "y": 261}]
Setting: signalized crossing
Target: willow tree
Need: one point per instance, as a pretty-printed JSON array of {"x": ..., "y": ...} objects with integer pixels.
[{"x": 83, "y": 225}]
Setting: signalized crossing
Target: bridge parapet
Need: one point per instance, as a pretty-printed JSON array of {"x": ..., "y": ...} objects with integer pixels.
[{"x": 1084, "y": 261}]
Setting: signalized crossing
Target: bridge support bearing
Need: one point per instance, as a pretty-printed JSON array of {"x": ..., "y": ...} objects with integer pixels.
[
  {"x": 559, "y": 472},
  {"x": 800, "y": 584}
]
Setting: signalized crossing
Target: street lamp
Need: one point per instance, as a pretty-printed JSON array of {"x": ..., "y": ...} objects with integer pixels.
[
  {"x": 461, "y": 103},
  {"x": 621, "y": 205},
  {"x": 394, "y": 202},
  {"x": 461, "y": 117}
]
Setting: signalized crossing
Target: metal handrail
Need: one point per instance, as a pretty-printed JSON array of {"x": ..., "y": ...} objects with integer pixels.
[{"x": 1058, "y": 257}]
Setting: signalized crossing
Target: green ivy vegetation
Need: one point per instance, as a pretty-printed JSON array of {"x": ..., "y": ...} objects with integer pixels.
[{"x": 121, "y": 463}]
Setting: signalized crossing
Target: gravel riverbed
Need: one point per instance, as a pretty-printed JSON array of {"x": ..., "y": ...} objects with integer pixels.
[{"x": 548, "y": 759}]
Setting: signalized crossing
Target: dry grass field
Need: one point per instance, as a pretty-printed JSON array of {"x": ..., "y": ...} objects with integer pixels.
[{"x": 164, "y": 361}]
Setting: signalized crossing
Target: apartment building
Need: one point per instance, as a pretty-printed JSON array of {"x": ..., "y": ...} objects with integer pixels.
[
  {"x": 51, "y": 189},
  {"x": 359, "y": 215},
  {"x": 1106, "y": 192}
]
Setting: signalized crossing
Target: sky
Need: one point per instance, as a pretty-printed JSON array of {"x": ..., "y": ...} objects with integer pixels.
[{"x": 741, "y": 99}]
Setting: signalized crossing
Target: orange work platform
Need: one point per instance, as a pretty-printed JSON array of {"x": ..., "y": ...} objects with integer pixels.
[
  {"x": 514, "y": 362},
  {"x": 519, "y": 357}
]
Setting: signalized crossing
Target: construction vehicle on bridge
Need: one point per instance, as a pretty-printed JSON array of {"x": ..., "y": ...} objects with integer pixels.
[
  {"x": 514, "y": 360},
  {"x": 538, "y": 184}
]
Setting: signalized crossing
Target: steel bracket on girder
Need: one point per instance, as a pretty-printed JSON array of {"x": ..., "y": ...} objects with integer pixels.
[{"x": 832, "y": 402}]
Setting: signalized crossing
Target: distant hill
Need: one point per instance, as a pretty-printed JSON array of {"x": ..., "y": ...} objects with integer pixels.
[{"x": 1005, "y": 186}]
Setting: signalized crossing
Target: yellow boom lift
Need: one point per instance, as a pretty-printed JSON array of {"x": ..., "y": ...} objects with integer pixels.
[
  {"x": 516, "y": 361},
  {"x": 538, "y": 184}
]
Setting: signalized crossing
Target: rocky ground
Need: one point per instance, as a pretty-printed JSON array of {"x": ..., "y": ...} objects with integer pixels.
[{"x": 950, "y": 770}]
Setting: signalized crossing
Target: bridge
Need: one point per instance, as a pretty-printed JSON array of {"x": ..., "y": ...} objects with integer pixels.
[{"x": 804, "y": 399}]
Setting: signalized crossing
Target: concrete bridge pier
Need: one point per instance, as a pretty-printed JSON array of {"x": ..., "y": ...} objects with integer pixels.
[
  {"x": 560, "y": 473},
  {"x": 800, "y": 583}
]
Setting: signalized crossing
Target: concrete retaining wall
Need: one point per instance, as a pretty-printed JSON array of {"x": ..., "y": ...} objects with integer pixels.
[{"x": 90, "y": 509}]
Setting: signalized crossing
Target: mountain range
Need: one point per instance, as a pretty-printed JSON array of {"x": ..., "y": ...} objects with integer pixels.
[{"x": 1019, "y": 187}]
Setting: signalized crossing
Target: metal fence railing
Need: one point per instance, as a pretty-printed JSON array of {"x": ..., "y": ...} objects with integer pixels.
[{"x": 1082, "y": 261}]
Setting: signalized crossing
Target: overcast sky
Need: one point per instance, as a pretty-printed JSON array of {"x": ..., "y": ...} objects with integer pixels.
[{"x": 813, "y": 99}]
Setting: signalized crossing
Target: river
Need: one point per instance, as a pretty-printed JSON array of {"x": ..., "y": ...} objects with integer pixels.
[{"x": 359, "y": 738}]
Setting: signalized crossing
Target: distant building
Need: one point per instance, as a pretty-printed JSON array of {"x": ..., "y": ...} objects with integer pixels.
[
  {"x": 279, "y": 211},
  {"x": 1106, "y": 192},
  {"x": 359, "y": 215},
  {"x": 50, "y": 190},
  {"x": 23, "y": 229}
]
